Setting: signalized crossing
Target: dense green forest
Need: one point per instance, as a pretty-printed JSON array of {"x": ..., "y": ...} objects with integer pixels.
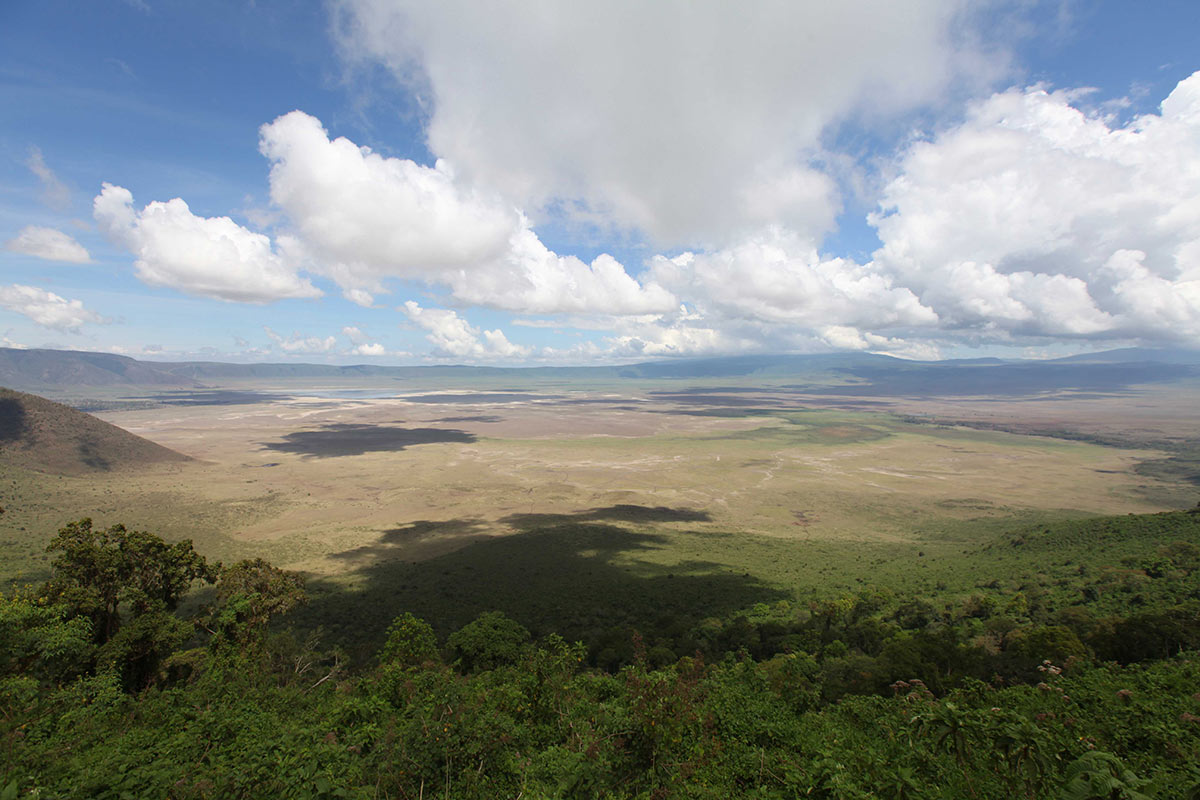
[{"x": 1066, "y": 667}]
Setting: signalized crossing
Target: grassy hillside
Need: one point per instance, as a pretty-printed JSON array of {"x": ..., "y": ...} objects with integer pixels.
[
  {"x": 38, "y": 434},
  {"x": 596, "y": 576},
  {"x": 1071, "y": 673}
]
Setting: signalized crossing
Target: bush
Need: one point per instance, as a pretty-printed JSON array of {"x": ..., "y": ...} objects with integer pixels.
[
  {"x": 491, "y": 640},
  {"x": 410, "y": 642}
]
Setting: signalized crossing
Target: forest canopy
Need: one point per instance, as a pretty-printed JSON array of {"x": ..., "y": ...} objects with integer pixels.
[{"x": 115, "y": 683}]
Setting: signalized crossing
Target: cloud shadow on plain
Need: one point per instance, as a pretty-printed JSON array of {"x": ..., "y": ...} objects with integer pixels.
[
  {"x": 344, "y": 439},
  {"x": 577, "y": 575}
]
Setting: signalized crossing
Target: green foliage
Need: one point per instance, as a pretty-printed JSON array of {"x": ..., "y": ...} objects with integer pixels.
[
  {"x": 410, "y": 642},
  {"x": 1101, "y": 776},
  {"x": 543, "y": 728},
  {"x": 41, "y": 640},
  {"x": 139, "y": 648},
  {"x": 856, "y": 695},
  {"x": 1026, "y": 648},
  {"x": 1150, "y": 634},
  {"x": 250, "y": 593},
  {"x": 793, "y": 677},
  {"x": 98, "y": 571},
  {"x": 490, "y": 641}
]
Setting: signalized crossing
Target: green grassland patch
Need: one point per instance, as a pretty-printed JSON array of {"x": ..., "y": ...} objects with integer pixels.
[{"x": 579, "y": 578}]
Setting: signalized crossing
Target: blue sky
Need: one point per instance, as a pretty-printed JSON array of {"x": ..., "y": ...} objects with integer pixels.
[{"x": 395, "y": 182}]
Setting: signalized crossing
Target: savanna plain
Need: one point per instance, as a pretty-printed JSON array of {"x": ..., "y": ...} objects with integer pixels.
[
  {"x": 521, "y": 585},
  {"x": 423, "y": 496}
]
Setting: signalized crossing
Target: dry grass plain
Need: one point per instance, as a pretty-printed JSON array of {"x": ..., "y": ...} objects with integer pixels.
[{"x": 332, "y": 479}]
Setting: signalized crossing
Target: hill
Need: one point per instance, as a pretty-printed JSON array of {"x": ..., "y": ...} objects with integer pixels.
[
  {"x": 1134, "y": 354},
  {"x": 47, "y": 371},
  {"x": 38, "y": 434},
  {"x": 31, "y": 370}
]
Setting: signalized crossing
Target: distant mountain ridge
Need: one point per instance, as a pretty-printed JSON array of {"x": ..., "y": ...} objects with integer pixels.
[
  {"x": 39, "y": 434},
  {"x": 34, "y": 370},
  {"x": 31, "y": 370},
  {"x": 1131, "y": 354}
]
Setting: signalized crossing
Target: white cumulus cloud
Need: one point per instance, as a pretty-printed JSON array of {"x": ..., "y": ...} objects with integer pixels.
[
  {"x": 47, "y": 308},
  {"x": 302, "y": 344},
  {"x": 454, "y": 337},
  {"x": 365, "y": 217},
  {"x": 48, "y": 243},
  {"x": 690, "y": 122},
  {"x": 362, "y": 344},
  {"x": 533, "y": 279},
  {"x": 1034, "y": 218},
  {"x": 677, "y": 339},
  {"x": 778, "y": 276},
  {"x": 844, "y": 337},
  {"x": 207, "y": 256},
  {"x": 355, "y": 335},
  {"x": 362, "y": 219},
  {"x": 369, "y": 349},
  {"x": 705, "y": 130}
]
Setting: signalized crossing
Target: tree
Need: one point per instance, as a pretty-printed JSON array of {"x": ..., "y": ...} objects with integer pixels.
[
  {"x": 136, "y": 652},
  {"x": 250, "y": 593},
  {"x": 490, "y": 641},
  {"x": 97, "y": 571},
  {"x": 410, "y": 642},
  {"x": 39, "y": 642}
]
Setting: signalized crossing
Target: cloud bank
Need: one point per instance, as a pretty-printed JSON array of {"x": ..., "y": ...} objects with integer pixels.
[
  {"x": 362, "y": 219},
  {"x": 687, "y": 122},
  {"x": 708, "y": 136},
  {"x": 1035, "y": 219}
]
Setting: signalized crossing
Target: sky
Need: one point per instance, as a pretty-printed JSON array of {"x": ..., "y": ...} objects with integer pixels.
[{"x": 403, "y": 182}]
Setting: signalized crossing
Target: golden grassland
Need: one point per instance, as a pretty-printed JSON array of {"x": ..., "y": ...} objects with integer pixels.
[{"x": 329, "y": 485}]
